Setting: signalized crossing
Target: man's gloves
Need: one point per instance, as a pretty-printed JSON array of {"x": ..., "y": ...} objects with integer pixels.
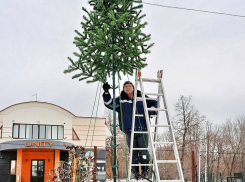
[
  {"x": 151, "y": 113},
  {"x": 106, "y": 87}
]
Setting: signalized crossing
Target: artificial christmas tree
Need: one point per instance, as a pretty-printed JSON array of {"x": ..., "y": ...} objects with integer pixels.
[
  {"x": 111, "y": 42},
  {"x": 111, "y": 39}
]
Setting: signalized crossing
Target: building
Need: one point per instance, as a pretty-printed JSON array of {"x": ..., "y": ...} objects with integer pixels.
[{"x": 32, "y": 138}]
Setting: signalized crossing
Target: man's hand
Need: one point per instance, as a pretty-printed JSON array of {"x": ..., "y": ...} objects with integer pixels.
[{"x": 106, "y": 87}]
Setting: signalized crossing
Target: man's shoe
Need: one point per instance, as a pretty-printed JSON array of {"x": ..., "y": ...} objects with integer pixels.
[
  {"x": 135, "y": 177},
  {"x": 145, "y": 177}
]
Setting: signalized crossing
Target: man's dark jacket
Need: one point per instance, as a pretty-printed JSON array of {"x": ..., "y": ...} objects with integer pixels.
[{"x": 124, "y": 107}]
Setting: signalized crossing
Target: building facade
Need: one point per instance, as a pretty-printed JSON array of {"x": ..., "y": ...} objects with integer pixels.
[{"x": 33, "y": 136}]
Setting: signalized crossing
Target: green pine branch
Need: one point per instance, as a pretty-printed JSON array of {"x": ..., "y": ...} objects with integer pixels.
[{"x": 112, "y": 29}]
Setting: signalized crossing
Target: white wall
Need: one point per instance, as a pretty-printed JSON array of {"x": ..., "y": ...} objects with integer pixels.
[
  {"x": 50, "y": 114},
  {"x": 36, "y": 113}
]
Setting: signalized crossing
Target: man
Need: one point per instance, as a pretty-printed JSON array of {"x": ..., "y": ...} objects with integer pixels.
[{"x": 124, "y": 107}]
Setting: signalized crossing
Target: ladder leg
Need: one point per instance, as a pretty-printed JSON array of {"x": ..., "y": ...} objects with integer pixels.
[
  {"x": 149, "y": 129},
  {"x": 181, "y": 176},
  {"x": 133, "y": 126}
]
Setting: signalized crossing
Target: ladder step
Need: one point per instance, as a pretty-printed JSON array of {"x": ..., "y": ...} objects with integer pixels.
[
  {"x": 141, "y": 132},
  {"x": 139, "y": 115},
  {"x": 170, "y": 181},
  {"x": 163, "y": 142},
  {"x": 154, "y": 116},
  {"x": 167, "y": 161},
  {"x": 141, "y": 148},
  {"x": 156, "y": 94},
  {"x": 150, "y": 80},
  {"x": 141, "y": 164},
  {"x": 156, "y": 109},
  {"x": 154, "y": 125},
  {"x": 147, "y": 98},
  {"x": 144, "y": 132}
]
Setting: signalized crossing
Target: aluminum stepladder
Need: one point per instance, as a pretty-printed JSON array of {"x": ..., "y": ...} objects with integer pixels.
[{"x": 152, "y": 135}]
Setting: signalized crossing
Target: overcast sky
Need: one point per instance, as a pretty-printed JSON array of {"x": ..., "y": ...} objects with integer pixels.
[{"x": 201, "y": 54}]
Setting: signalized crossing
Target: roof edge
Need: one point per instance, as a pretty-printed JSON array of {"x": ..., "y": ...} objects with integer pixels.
[
  {"x": 37, "y": 102},
  {"x": 52, "y": 105}
]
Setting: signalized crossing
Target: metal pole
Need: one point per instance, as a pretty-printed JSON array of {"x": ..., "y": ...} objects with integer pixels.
[
  {"x": 199, "y": 166},
  {"x": 196, "y": 173},
  {"x": 114, "y": 124},
  {"x": 193, "y": 166},
  {"x": 95, "y": 164},
  {"x": 206, "y": 163}
]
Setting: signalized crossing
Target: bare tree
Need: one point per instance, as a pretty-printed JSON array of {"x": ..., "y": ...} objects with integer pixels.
[
  {"x": 226, "y": 147},
  {"x": 240, "y": 121},
  {"x": 225, "y": 142},
  {"x": 234, "y": 146},
  {"x": 216, "y": 145},
  {"x": 109, "y": 141},
  {"x": 187, "y": 125}
]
